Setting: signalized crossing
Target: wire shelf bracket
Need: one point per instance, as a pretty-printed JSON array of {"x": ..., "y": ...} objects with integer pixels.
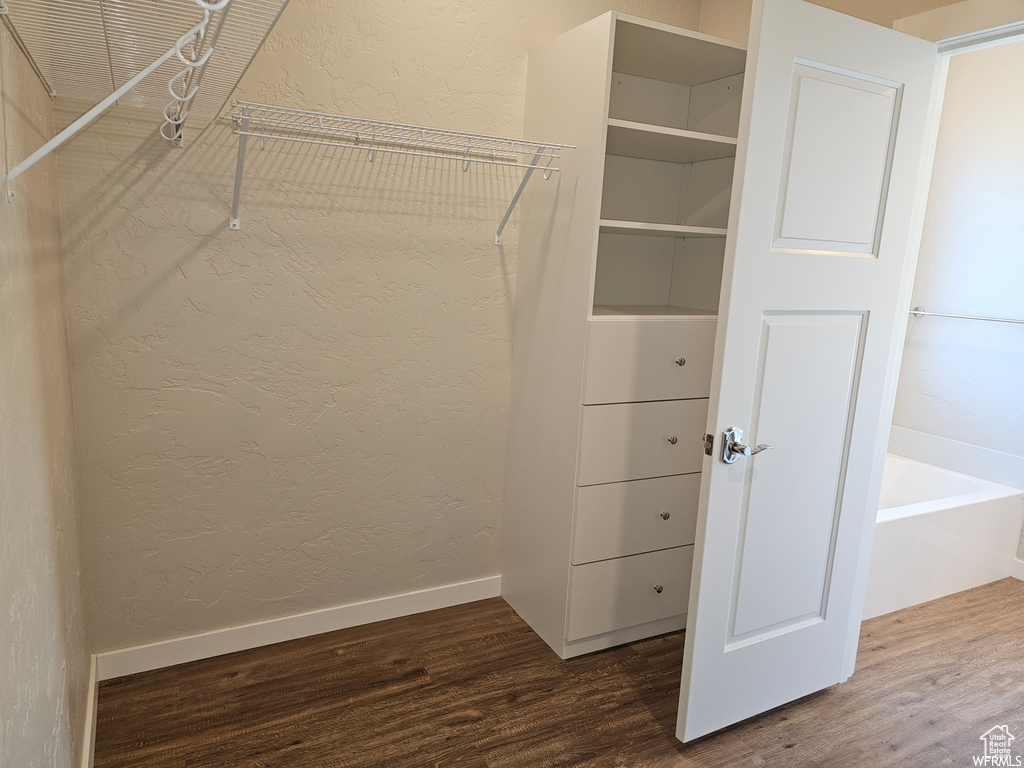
[
  {"x": 83, "y": 49},
  {"x": 270, "y": 123}
]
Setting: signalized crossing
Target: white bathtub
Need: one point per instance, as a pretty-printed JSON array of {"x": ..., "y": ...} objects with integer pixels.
[{"x": 937, "y": 533}]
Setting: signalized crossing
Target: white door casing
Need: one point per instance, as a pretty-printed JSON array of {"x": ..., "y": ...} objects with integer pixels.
[{"x": 836, "y": 139}]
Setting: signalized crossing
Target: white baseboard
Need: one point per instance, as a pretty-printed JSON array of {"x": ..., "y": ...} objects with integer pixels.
[
  {"x": 1018, "y": 569},
  {"x": 89, "y": 728},
  {"x": 179, "y": 650}
]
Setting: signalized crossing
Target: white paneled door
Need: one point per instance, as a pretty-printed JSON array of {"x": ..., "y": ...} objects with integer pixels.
[{"x": 834, "y": 156}]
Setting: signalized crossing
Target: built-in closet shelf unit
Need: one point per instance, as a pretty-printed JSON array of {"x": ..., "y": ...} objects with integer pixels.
[{"x": 618, "y": 279}]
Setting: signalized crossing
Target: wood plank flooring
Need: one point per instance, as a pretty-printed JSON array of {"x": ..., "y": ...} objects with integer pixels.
[{"x": 473, "y": 687}]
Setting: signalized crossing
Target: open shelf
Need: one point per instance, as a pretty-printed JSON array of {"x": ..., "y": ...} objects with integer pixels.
[
  {"x": 670, "y": 155},
  {"x": 676, "y": 78},
  {"x": 613, "y": 311},
  {"x": 658, "y": 276},
  {"x": 675, "y": 145},
  {"x": 663, "y": 199},
  {"x": 651, "y": 50},
  {"x": 617, "y": 227}
]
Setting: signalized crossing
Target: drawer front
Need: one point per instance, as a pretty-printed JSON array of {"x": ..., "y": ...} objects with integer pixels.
[
  {"x": 621, "y": 519},
  {"x": 620, "y": 593},
  {"x": 630, "y": 361},
  {"x": 630, "y": 441}
]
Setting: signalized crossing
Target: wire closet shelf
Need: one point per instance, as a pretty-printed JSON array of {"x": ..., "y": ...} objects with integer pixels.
[{"x": 265, "y": 123}]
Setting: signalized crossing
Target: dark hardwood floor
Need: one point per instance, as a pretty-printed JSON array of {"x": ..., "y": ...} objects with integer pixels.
[{"x": 473, "y": 687}]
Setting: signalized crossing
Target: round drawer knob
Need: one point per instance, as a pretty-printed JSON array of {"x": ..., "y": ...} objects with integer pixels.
[
  {"x": 673, "y": 439},
  {"x": 666, "y": 515},
  {"x": 658, "y": 588},
  {"x": 680, "y": 361}
]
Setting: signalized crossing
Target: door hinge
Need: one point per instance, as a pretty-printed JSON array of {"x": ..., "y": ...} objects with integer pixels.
[{"x": 709, "y": 445}]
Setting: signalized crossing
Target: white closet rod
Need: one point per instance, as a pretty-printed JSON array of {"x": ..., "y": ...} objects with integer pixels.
[
  {"x": 197, "y": 61},
  {"x": 920, "y": 312}
]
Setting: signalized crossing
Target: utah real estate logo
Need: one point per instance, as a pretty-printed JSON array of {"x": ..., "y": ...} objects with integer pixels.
[{"x": 997, "y": 741}]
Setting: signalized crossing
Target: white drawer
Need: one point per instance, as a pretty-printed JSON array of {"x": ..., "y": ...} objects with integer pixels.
[
  {"x": 631, "y": 441},
  {"x": 614, "y": 594},
  {"x": 630, "y": 361},
  {"x": 621, "y": 519}
]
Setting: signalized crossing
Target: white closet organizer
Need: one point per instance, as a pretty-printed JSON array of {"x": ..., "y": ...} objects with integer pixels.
[
  {"x": 620, "y": 269},
  {"x": 266, "y": 122}
]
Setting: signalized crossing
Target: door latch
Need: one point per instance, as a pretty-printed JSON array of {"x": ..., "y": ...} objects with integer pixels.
[
  {"x": 709, "y": 445},
  {"x": 733, "y": 447}
]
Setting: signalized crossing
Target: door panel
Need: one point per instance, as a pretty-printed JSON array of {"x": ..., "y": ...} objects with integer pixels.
[
  {"x": 837, "y": 133},
  {"x": 807, "y": 375},
  {"x": 839, "y": 141}
]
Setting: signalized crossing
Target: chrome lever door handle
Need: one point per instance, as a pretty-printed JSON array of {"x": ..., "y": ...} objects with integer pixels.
[{"x": 733, "y": 447}]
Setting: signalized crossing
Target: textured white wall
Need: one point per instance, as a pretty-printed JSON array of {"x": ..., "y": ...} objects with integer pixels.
[
  {"x": 961, "y": 379},
  {"x": 44, "y": 660},
  {"x": 311, "y": 411}
]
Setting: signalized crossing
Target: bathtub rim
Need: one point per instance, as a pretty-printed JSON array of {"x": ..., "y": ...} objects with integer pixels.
[{"x": 989, "y": 491}]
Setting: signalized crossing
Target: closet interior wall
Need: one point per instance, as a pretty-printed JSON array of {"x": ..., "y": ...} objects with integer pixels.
[
  {"x": 44, "y": 673},
  {"x": 312, "y": 411}
]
